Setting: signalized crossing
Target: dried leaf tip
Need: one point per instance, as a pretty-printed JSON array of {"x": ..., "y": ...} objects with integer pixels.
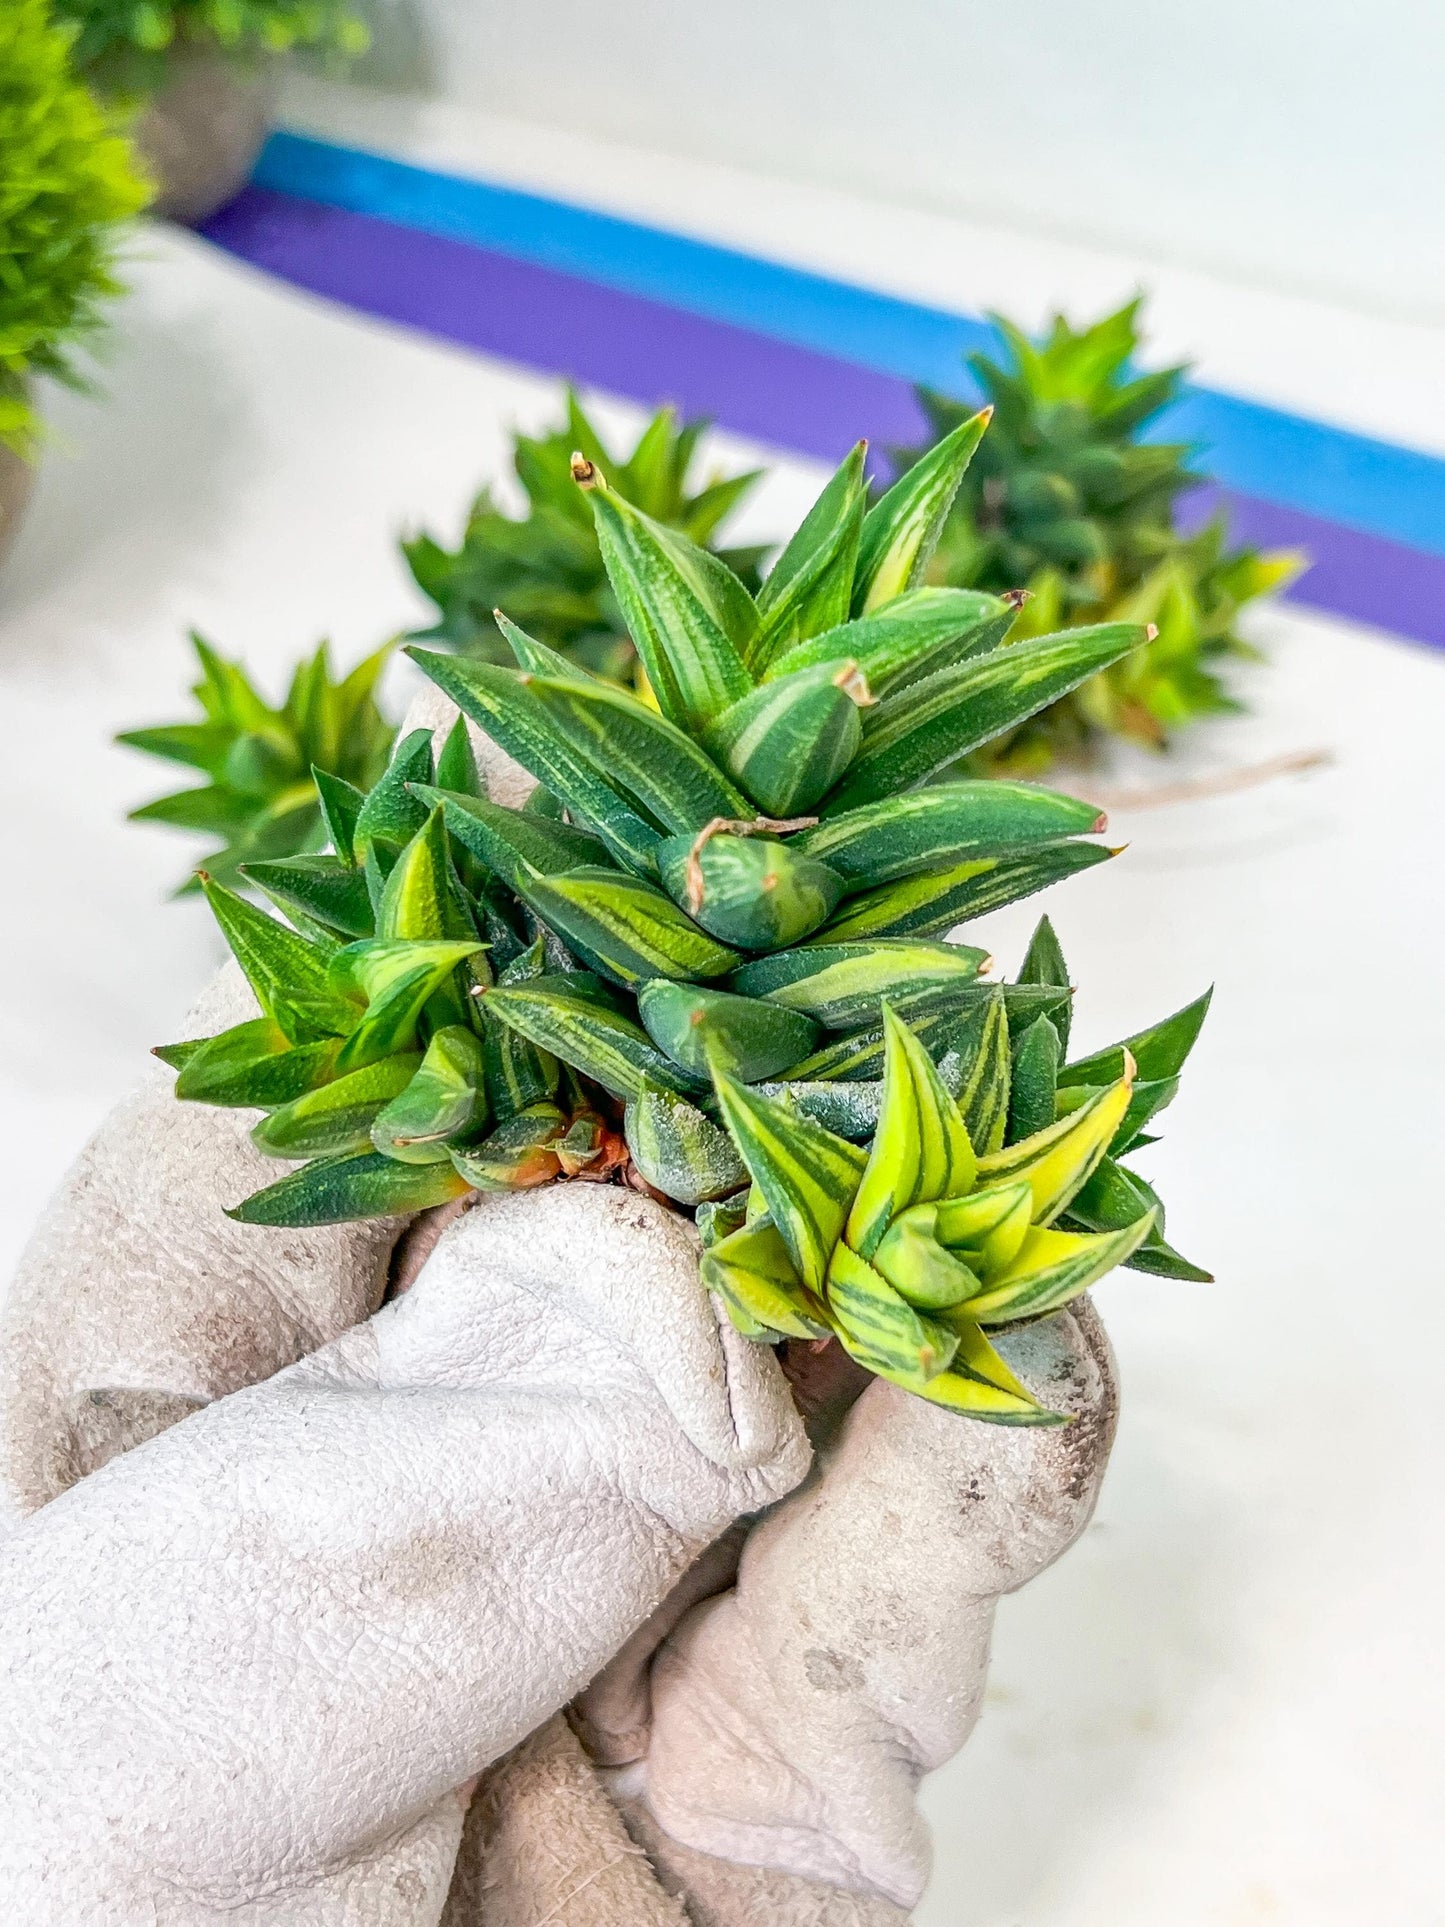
[
  {"x": 1016, "y": 598},
  {"x": 851, "y": 680},
  {"x": 584, "y": 473},
  {"x": 1150, "y": 631}
]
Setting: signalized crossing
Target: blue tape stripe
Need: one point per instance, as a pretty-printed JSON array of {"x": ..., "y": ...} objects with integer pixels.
[{"x": 1311, "y": 466}]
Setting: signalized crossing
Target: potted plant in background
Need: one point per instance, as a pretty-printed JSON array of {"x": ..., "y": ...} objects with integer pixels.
[
  {"x": 202, "y": 75},
  {"x": 1069, "y": 501},
  {"x": 68, "y": 178}
]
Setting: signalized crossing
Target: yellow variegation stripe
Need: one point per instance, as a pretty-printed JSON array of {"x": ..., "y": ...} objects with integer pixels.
[
  {"x": 917, "y": 1265},
  {"x": 989, "y": 1225},
  {"x": 751, "y": 1271},
  {"x": 807, "y": 1175},
  {"x": 881, "y": 1330},
  {"x": 1056, "y": 1161},
  {"x": 630, "y": 930},
  {"x": 1054, "y": 1266},
  {"x": 921, "y": 1149}
]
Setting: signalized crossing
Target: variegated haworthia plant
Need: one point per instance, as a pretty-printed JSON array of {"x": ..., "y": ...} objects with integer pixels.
[{"x": 708, "y": 953}]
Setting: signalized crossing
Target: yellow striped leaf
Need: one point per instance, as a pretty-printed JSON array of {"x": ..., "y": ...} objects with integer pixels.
[{"x": 921, "y": 1150}]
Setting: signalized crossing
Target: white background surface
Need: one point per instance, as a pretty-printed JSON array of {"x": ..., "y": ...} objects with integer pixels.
[
  {"x": 1226, "y": 1706},
  {"x": 1296, "y": 143}
]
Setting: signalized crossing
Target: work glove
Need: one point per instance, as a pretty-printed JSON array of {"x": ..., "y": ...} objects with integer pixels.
[{"x": 236, "y": 1700}]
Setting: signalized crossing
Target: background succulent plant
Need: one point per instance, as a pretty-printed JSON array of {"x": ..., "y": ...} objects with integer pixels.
[
  {"x": 68, "y": 178},
  {"x": 124, "y": 44},
  {"x": 706, "y": 952},
  {"x": 1068, "y": 500},
  {"x": 264, "y": 764},
  {"x": 545, "y": 568}
]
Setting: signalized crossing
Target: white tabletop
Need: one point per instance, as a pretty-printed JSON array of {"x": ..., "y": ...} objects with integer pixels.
[{"x": 1226, "y": 1705}]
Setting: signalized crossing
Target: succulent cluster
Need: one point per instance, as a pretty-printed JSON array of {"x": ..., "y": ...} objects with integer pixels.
[
  {"x": 263, "y": 764},
  {"x": 1069, "y": 501},
  {"x": 545, "y": 568},
  {"x": 125, "y": 43},
  {"x": 706, "y": 954},
  {"x": 67, "y": 178}
]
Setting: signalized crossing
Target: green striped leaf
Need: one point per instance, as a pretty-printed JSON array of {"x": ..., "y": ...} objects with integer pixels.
[
  {"x": 751, "y": 1272},
  {"x": 912, "y": 636},
  {"x": 987, "y": 1227},
  {"x": 921, "y": 1270},
  {"x": 1114, "y": 1198},
  {"x": 444, "y": 1102},
  {"x": 499, "y": 701},
  {"x": 979, "y": 1042},
  {"x": 624, "y": 927},
  {"x": 880, "y": 1329},
  {"x": 593, "y": 1038},
  {"x": 287, "y": 972},
  {"x": 948, "y": 823},
  {"x": 340, "y": 809},
  {"x": 1055, "y": 1162},
  {"x": 933, "y": 1014},
  {"x": 1044, "y": 964},
  {"x": 921, "y": 1151},
  {"x": 1053, "y": 1267},
  {"x": 843, "y": 985},
  {"x": 1157, "y": 1052},
  {"x": 679, "y": 1150},
  {"x": 809, "y": 587},
  {"x": 520, "y": 1153},
  {"x": 1034, "y": 1080},
  {"x": 939, "y": 900},
  {"x": 510, "y": 842},
  {"x": 396, "y": 979},
  {"x": 980, "y": 1384},
  {"x": 688, "y": 615},
  {"x": 335, "y": 1120},
  {"x": 807, "y": 1176},
  {"x": 390, "y": 815},
  {"x": 254, "y": 1065},
  {"x": 340, "y": 1190},
  {"x": 323, "y": 889},
  {"x": 847, "y": 1110},
  {"x": 919, "y": 730},
  {"x": 457, "y": 764},
  {"x": 699, "y": 1029},
  {"x": 788, "y": 742},
  {"x": 901, "y": 530},
  {"x": 422, "y": 900},
  {"x": 665, "y": 773},
  {"x": 751, "y": 891}
]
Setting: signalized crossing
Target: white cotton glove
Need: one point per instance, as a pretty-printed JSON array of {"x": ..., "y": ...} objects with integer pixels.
[{"x": 251, "y": 1663}]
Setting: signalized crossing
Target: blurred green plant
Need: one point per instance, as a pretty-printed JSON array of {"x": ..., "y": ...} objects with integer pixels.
[
  {"x": 125, "y": 44},
  {"x": 544, "y": 569},
  {"x": 68, "y": 178},
  {"x": 1066, "y": 500},
  {"x": 263, "y": 765}
]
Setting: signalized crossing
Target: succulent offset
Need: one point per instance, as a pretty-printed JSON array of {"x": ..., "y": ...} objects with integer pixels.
[
  {"x": 264, "y": 765},
  {"x": 1067, "y": 501},
  {"x": 545, "y": 569},
  {"x": 706, "y": 955}
]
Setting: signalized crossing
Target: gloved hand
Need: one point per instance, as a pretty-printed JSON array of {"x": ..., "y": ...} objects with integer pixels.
[{"x": 861, "y": 1614}]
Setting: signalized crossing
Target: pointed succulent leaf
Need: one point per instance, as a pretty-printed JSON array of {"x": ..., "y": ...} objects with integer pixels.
[
  {"x": 678, "y": 1150},
  {"x": 898, "y": 836},
  {"x": 980, "y": 1042},
  {"x": 1114, "y": 1198},
  {"x": 910, "y": 637},
  {"x": 918, "y": 1267},
  {"x": 457, "y": 763},
  {"x": 1034, "y": 1079},
  {"x": 751, "y": 1271},
  {"x": 741, "y": 1035},
  {"x": 918, "y": 730},
  {"x": 510, "y": 841},
  {"x": 788, "y": 742},
  {"x": 335, "y": 1120},
  {"x": 288, "y": 973},
  {"x": 340, "y": 809},
  {"x": 624, "y": 927},
  {"x": 1044, "y": 964},
  {"x": 934, "y": 1014},
  {"x": 751, "y": 891},
  {"x": 1150, "y": 1096},
  {"x": 391, "y": 815},
  {"x": 986, "y": 1228},
  {"x": 1159, "y": 1051},
  {"x": 1055, "y": 1162},
  {"x": 322, "y": 889},
  {"x": 1053, "y": 1267},
  {"x": 396, "y": 980},
  {"x": 921, "y": 1151},
  {"x": 254, "y": 1065},
  {"x": 809, "y": 587},
  {"x": 444, "y": 1102},
  {"x": 933, "y": 901},
  {"x": 843, "y": 985},
  {"x": 807, "y": 1176},
  {"x": 902, "y": 529},
  {"x": 664, "y": 772},
  {"x": 507, "y": 710},
  {"x": 600, "y": 1042},
  {"x": 340, "y": 1190},
  {"x": 879, "y": 1328},
  {"x": 520, "y": 1153},
  {"x": 687, "y": 614},
  {"x": 422, "y": 900}
]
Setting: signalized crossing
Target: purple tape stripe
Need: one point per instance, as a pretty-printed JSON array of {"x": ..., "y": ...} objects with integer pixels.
[{"x": 792, "y": 397}]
